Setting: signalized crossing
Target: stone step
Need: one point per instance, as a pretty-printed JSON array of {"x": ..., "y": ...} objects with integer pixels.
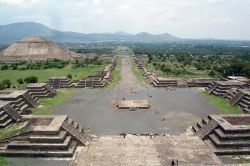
[
  {"x": 2, "y": 112},
  {"x": 245, "y": 101},
  {"x": 228, "y": 144},
  {"x": 246, "y": 110},
  {"x": 226, "y": 136},
  {"x": 205, "y": 121},
  {"x": 233, "y": 151},
  {"x": 20, "y": 99},
  {"x": 47, "y": 146},
  {"x": 195, "y": 129},
  {"x": 243, "y": 105},
  {"x": 22, "y": 109},
  {"x": 75, "y": 124},
  {"x": 199, "y": 125},
  {"x": 80, "y": 129},
  {"x": 20, "y": 104},
  {"x": 4, "y": 118},
  {"x": 40, "y": 152},
  {"x": 49, "y": 138},
  {"x": 6, "y": 123}
]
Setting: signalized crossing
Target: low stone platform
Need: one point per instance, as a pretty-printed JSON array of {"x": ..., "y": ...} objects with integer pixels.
[
  {"x": 131, "y": 104},
  {"x": 225, "y": 134},
  {"x": 143, "y": 150},
  {"x": 45, "y": 136}
]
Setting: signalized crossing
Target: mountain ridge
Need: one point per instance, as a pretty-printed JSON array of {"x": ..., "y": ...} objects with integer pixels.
[{"x": 13, "y": 32}]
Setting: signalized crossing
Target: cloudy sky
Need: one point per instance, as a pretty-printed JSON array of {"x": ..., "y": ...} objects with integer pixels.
[{"x": 223, "y": 19}]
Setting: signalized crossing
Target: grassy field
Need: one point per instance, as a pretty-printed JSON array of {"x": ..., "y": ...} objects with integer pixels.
[
  {"x": 138, "y": 73},
  {"x": 185, "y": 72},
  {"x": 43, "y": 75},
  {"x": 116, "y": 74},
  {"x": 222, "y": 104},
  {"x": 47, "y": 105},
  {"x": 3, "y": 161}
]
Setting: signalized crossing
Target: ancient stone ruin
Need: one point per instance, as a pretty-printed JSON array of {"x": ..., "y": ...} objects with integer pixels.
[
  {"x": 60, "y": 82},
  {"x": 45, "y": 136},
  {"x": 163, "y": 82},
  {"x": 19, "y": 100},
  {"x": 41, "y": 136},
  {"x": 225, "y": 134},
  {"x": 131, "y": 105},
  {"x": 240, "y": 97},
  {"x": 98, "y": 81},
  {"x": 219, "y": 88},
  {"x": 40, "y": 90}
]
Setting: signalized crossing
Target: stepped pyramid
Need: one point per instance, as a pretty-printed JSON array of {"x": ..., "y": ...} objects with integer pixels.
[{"x": 35, "y": 48}]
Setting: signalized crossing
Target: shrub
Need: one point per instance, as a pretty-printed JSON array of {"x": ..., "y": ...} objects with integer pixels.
[
  {"x": 2, "y": 87},
  {"x": 20, "y": 81},
  {"x": 69, "y": 76},
  {"x": 6, "y": 83},
  {"x": 31, "y": 79},
  {"x": 5, "y": 67}
]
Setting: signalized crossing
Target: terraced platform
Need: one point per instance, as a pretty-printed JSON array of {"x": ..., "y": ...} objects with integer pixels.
[
  {"x": 225, "y": 134},
  {"x": 46, "y": 136},
  {"x": 219, "y": 88},
  {"x": 97, "y": 81},
  {"x": 20, "y": 100},
  {"x": 40, "y": 90}
]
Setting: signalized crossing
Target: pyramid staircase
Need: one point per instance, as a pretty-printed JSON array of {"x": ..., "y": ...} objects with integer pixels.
[
  {"x": 236, "y": 98},
  {"x": 8, "y": 115},
  {"x": 59, "y": 82}
]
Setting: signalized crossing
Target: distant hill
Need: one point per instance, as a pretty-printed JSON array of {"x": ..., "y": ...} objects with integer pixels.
[{"x": 16, "y": 31}]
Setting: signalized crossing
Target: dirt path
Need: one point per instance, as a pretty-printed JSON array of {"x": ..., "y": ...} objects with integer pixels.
[{"x": 129, "y": 82}]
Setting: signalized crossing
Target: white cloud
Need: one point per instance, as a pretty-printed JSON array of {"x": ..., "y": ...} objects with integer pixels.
[{"x": 21, "y": 3}]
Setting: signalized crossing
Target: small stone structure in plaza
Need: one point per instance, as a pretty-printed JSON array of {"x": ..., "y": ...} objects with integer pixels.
[
  {"x": 45, "y": 136},
  {"x": 131, "y": 105},
  {"x": 20, "y": 100},
  {"x": 60, "y": 82},
  {"x": 225, "y": 134},
  {"x": 40, "y": 90}
]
